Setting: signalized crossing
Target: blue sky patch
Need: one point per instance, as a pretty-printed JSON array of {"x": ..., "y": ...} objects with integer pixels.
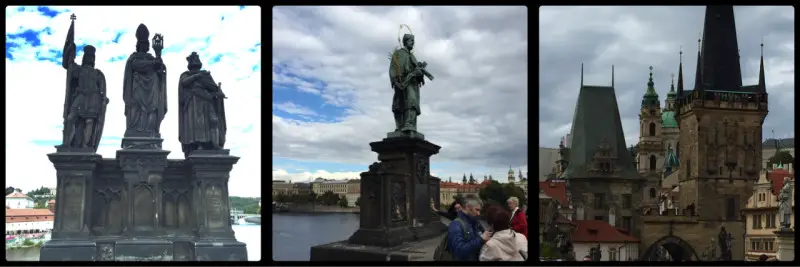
[
  {"x": 248, "y": 128},
  {"x": 117, "y": 36},
  {"x": 48, "y": 11}
]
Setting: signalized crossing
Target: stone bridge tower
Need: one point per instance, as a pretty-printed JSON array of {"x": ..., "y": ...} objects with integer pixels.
[{"x": 720, "y": 132}]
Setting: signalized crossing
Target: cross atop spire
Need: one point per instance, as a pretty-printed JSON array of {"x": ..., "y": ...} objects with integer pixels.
[{"x": 73, "y": 17}]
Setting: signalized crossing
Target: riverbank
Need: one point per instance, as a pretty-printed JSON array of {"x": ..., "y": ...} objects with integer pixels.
[{"x": 308, "y": 208}]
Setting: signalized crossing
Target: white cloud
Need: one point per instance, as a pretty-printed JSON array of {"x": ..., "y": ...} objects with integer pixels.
[
  {"x": 35, "y": 87},
  {"x": 476, "y": 108}
]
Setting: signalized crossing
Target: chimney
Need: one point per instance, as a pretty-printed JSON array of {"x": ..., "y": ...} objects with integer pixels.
[{"x": 612, "y": 217}]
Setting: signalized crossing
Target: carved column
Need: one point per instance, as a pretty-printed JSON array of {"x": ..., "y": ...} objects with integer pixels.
[
  {"x": 143, "y": 170},
  {"x": 75, "y": 172}
]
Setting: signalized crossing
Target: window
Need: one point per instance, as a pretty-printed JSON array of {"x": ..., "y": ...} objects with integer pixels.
[
  {"x": 627, "y": 223},
  {"x": 758, "y": 222},
  {"x": 769, "y": 245},
  {"x": 599, "y": 218},
  {"x": 652, "y": 129},
  {"x": 626, "y": 201},
  {"x": 754, "y": 244},
  {"x": 598, "y": 201},
  {"x": 652, "y": 193},
  {"x": 612, "y": 254},
  {"x": 730, "y": 211},
  {"x": 652, "y": 162},
  {"x": 771, "y": 220}
]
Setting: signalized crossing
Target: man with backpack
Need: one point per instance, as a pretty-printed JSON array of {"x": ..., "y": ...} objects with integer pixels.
[{"x": 464, "y": 239}]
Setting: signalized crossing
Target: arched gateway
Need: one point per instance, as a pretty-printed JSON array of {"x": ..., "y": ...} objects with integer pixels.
[{"x": 678, "y": 249}]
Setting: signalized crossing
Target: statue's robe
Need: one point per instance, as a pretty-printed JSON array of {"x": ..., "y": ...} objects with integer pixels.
[
  {"x": 85, "y": 99},
  {"x": 198, "y": 108},
  {"x": 403, "y": 63},
  {"x": 145, "y": 96}
]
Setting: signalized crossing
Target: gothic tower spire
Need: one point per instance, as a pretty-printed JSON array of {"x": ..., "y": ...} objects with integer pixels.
[
  {"x": 762, "y": 86},
  {"x": 718, "y": 64}
]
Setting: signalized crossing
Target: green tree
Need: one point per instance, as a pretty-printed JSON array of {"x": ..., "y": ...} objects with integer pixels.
[
  {"x": 328, "y": 198},
  {"x": 10, "y": 190},
  {"x": 39, "y": 205},
  {"x": 358, "y": 202},
  {"x": 343, "y": 202},
  {"x": 782, "y": 157},
  {"x": 493, "y": 193}
]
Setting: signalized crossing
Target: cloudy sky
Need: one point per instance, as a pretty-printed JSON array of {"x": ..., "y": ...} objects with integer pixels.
[
  {"x": 332, "y": 97},
  {"x": 634, "y": 38},
  {"x": 228, "y": 40}
]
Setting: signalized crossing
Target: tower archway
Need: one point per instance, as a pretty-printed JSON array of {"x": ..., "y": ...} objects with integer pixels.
[{"x": 670, "y": 248}]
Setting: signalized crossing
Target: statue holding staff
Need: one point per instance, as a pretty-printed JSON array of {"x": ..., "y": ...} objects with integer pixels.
[
  {"x": 145, "y": 87},
  {"x": 85, "y": 99}
]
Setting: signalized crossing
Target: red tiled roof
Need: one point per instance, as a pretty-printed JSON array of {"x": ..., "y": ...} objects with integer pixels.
[
  {"x": 556, "y": 190},
  {"x": 28, "y": 212},
  {"x": 776, "y": 177},
  {"x": 17, "y": 195},
  {"x": 593, "y": 231}
]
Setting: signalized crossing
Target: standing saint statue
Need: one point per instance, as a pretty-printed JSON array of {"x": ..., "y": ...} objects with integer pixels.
[
  {"x": 201, "y": 116},
  {"x": 406, "y": 75},
  {"x": 145, "y": 87},
  {"x": 85, "y": 100},
  {"x": 785, "y": 204}
]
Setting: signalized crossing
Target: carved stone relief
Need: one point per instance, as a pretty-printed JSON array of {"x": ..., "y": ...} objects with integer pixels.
[
  {"x": 398, "y": 200},
  {"x": 144, "y": 206},
  {"x": 422, "y": 168},
  {"x": 73, "y": 204},
  {"x": 214, "y": 206}
]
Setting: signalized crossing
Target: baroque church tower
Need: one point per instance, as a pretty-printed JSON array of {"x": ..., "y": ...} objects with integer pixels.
[
  {"x": 650, "y": 150},
  {"x": 720, "y": 128}
]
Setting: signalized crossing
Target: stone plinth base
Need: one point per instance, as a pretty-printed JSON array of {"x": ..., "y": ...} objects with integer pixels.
[
  {"x": 63, "y": 250},
  {"x": 421, "y": 250},
  {"x": 785, "y": 244},
  {"x": 143, "y": 250},
  {"x": 226, "y": 250}
]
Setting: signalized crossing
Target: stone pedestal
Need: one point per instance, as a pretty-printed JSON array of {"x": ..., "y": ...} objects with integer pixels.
[
  {"x": 395, "y": 207},
  {"x": 142, "y": 207},
  {"x": 785, "y": 244},
  {"x": 75, "y": 171},
  {"x": 210, "y": 171},
  {"x": 142, "y": 162}
]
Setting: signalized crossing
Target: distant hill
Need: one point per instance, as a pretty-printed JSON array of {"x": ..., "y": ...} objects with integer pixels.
[{"x": 248, "y": 204}]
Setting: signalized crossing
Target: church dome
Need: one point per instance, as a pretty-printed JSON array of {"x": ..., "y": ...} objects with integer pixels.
[{"x": 668, "y": 120}]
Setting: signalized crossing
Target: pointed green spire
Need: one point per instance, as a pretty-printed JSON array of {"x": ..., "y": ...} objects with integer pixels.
[{"x": 650, "y": 97}]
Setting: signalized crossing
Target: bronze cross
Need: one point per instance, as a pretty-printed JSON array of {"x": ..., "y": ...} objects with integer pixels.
[{"x": 72, "y": 17}]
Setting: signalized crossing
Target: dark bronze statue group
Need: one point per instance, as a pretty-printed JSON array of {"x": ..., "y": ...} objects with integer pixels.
[{"x": 201, "y": 114}]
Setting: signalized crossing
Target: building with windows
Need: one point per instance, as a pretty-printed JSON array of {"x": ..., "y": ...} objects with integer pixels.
[
  {"x": 338, "y": 187},
  {"x": 18, "y": 200},
  {"x": 761, "y": 213},
  {"x": 24, "y": 221},
  {"x": 353, "y": 192}
]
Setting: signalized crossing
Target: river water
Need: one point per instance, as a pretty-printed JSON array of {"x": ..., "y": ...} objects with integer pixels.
[
  {"x": 249, "y": 234},
  {"x": 293, "y": 235}
]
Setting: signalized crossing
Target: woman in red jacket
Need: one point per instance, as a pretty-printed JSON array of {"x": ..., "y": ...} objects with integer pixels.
[{"x": 518, "y": 220}]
